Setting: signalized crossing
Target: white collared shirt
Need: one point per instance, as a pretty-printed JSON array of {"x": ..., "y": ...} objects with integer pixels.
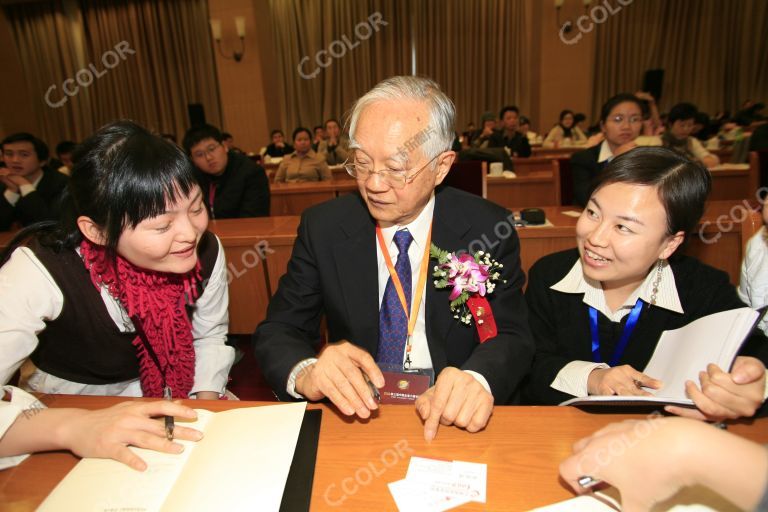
[
  {"x": 419, "y": 229},
  {"x": 572, "y": 378},
  {"x": 605, "y": 153}
]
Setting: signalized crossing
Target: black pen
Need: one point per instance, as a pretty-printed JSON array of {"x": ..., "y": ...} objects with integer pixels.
[
  {"x": 167, "y": 394},
  {"x": 374, "y": 389}
]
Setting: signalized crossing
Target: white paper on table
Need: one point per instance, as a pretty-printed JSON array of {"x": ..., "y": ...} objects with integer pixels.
[
  {"x": 450, "y": 478},
  {"x": 411, "y": 496}
]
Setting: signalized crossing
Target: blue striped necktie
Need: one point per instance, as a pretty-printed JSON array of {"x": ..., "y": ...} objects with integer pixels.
[{"x": 393, "y": 321}]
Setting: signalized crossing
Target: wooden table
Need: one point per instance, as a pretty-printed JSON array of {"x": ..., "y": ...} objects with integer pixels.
[
  {"x": 522, "y": 446},
  {"x": 294, "y": 198},
  {"x": 537, "y": 184},
  {"x": 735, "y": 181}
]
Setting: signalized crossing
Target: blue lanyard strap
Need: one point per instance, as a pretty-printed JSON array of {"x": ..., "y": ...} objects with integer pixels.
[{"x": 634, "y": 315}]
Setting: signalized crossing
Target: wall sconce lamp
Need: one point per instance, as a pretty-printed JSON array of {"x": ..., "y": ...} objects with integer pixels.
[
  {"x": 240, "y": 26},
  {"x": 568, "y": 25}
]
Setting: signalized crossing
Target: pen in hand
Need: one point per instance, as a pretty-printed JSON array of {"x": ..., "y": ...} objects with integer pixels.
[
  {"x": 373, "y": 388},
  {"x": 168, "y": 395}
]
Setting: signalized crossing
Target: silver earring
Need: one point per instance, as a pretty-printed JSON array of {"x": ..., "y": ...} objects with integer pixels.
[{"x": 656, "y": 282}]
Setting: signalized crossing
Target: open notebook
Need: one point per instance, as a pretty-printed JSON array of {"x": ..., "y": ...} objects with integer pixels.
[
  {"x": 682, "y": 353},
  {"x": 241, "y": 464}
]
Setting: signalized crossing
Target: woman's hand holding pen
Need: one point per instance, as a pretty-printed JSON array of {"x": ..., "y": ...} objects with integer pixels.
[
  {"x": 620, "y": 380},
  {"x": 107, "y": 433}
]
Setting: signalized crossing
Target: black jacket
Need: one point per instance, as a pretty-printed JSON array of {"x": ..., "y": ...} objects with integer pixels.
[
  {"x": 42, "y": 204},
  {"x": 333, "y": 272},
  {"x": 518, "y": 144},
  {"x": 584, "y": 168},
  {"x": 242, "y": 190},
  {"x": 560, "y": 321}
]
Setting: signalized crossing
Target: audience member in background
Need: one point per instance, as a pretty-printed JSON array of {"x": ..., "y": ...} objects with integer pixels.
[
  {"x": 621, "y": 120},
  {"x": 678, "y": 135},
  {"x": 128, "y": 293},
  {"x": 319, "y": 132},
  {"x": 64, "y": 151},
  {"x": 335, "y": 146},
  {"x": 233, "y": 185},
  {"x": 731, "y": 130},
  {"x": 703, "y": 128},
  {"x": 525, "y": 128},
  {"x": 481, "y": 137},
  {"x": 303, "y": 164},
  {"x": 753, "y": 283},
  {"x": 104, "y": 433},
  {"x": 597, "y": 311},
  {"x": 229, "y": 142},
  {"x": 652, "y": 123},
  {"x": 508, "y": 137},
  {"x": 29, "y": 190},
  {"x": 278, "y": 148},
  {"x": 565, "y": 132},
  {"x": 659, "y": 458},
  {"x": 750, "y": 113},
  {"x": 170, "y": 137}
]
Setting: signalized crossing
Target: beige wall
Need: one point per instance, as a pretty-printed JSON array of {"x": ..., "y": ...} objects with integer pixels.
[
  {"x": 247, "y": 88},
  {"x": 563, "y": 77}
]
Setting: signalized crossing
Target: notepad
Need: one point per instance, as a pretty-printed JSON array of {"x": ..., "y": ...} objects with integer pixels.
[
  {"x": 682, "y": 353},
  {"x": 242, "y": 463}
]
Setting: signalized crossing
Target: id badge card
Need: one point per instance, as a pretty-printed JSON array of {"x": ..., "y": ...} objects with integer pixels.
[{"x": 404, "y": 386}]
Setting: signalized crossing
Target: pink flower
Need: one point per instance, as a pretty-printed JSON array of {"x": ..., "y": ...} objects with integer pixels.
[{"x": 465, "y": 274}]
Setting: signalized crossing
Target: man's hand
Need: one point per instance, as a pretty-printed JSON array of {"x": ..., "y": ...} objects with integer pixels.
[
  {"x": 487, "y": 131},
  {"x": 726, "y": 395},
  {"x": 13, "y": 182},
  {"x": 457, "y": 398},
  {"x": 337, "y": 375},
  {"x": 620, "y": 380}
]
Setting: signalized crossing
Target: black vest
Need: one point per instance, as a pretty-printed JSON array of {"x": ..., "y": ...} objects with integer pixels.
[{"x": 83, "y": 344}]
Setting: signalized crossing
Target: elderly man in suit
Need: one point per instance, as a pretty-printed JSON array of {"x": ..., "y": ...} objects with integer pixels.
[{"x": 400, "y": 137}]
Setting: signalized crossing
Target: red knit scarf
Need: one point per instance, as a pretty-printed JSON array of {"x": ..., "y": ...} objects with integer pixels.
[{"x": 157, "y": 300}]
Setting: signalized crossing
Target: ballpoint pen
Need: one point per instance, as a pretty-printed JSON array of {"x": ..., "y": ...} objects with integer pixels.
[
  {"x": 373, "y": 388},
  {"x": 167, "y": 394}
]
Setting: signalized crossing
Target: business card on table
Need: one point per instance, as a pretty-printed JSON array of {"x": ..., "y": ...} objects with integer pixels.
[{"x": 437, "y": 485}]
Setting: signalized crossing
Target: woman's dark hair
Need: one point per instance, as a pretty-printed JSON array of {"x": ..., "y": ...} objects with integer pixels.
[
  {"x": 682, "y": 185},
  {"x": 613, "y": 102},
  {"x": 682, "y": 112},
  {"x": 566, "y": 130},
  {"x": 299, "y": 130},
  {"x": 122, "y": 175}
]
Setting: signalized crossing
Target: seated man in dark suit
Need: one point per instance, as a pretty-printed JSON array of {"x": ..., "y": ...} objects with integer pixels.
[
  {"x": 278, "y": 148},
  {"x": 509, "y": 136},
  {"x": 400, "y": 137},
  {"x": 621, "y": 120},
  {"x": 233, "y": 185},
  {"x": 29, "y": 191}
]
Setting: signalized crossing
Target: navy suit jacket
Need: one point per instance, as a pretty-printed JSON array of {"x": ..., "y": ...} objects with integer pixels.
[{"x": 333, "y": 272}]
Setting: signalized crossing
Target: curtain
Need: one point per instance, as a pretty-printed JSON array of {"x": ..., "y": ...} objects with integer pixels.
[
  {"x": 138, "y": 59},
  {"x": 359, "y": 51},
  {"x": 714, "y": 54},
  {"x": 477, "y": 51}
]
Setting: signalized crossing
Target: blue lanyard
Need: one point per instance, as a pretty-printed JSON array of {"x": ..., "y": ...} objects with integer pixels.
[{"x": 634, "y": 315}]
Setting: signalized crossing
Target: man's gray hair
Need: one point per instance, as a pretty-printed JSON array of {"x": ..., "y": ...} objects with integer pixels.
[{"x": 437, "y": 136}]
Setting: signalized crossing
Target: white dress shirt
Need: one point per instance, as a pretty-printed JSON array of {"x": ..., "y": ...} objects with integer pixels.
[
  {"x": 419, "y": 229},
  {"x": 572, "y": 378},
  {"x": 29, "y": 296}
]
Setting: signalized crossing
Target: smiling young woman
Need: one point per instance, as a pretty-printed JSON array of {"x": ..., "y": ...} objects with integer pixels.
[
  {"x": 128, "y": 295},
  {"x": 626, "y": 283}
]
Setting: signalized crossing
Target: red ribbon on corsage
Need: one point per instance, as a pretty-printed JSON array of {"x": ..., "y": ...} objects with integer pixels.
[{"x": 483, "y": 315}]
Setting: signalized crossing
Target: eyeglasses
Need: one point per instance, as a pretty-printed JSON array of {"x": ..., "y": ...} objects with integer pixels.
[
  {"x": 393, "y": 177},
  {"x": 207, "y": 151},
  {"x": 619, "y": 119}
]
